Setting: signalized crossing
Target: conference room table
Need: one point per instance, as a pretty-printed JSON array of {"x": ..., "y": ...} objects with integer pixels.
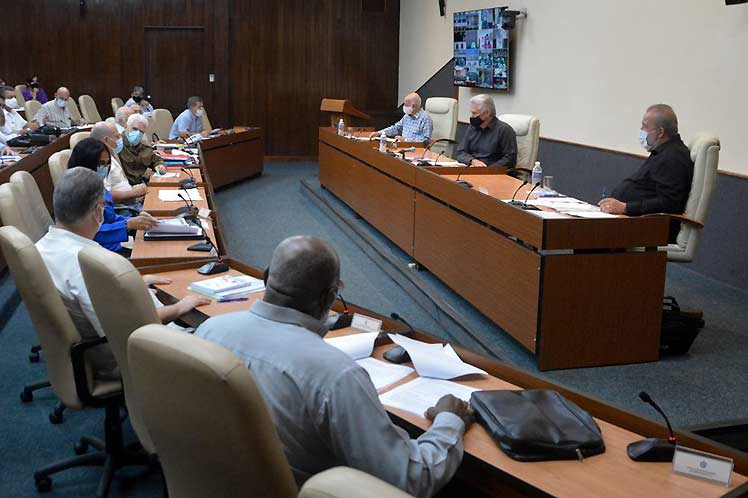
[
  {"x": 157, "y": 207},
  {"x": 171, "y": 181},
  {"x": 486, "y": 470},
  {"x": 575, "y": 292},
  {"x": 233, "y": 155}
]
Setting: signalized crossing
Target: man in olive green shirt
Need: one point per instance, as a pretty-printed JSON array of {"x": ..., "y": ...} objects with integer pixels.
[{"x": 139, "y": 161}]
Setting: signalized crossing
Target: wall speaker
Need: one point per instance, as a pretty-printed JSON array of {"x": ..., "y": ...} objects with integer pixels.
[{"x": 443, "y": 7}]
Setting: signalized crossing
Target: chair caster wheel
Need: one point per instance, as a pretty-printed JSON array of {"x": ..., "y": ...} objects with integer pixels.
[
  {"x": 80, "y": 448},
  {"x": 27, "y": 396},
  {"x": 43, "y": 484},
  {"x": 34, "y": 358},
  {"x": 55, "y": 418}
]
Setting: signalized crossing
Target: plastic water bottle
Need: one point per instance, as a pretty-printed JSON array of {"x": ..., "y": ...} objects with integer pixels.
[
  {"x": 383, "y": 143},
  {"x": 341, "y": 127},
  {"x": 537, "y": 173}
]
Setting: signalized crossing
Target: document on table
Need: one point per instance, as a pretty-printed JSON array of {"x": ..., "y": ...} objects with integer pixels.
[
  {"x": 356, "y": 346},
  {"x": 172, "y": 195},
  {"x": 383, "y": 374},
  {"x": 420, "y": 394},
  {"x": 168, "y": 174},
  {"x": 590, "y": 214},
  {"x": 548, "y": 214},
  {"x": 434, "y": 360}
]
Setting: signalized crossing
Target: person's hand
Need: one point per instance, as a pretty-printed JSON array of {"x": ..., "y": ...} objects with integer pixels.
[
  {"x": 612, "y": 206},
  {"x": 477, "y": 163},
  {"x": 205, "y": 133},
  {"x": 184, "y": 134},
  {"x": 32, "y": 126},
  {"x": 399, "y": 138},
  {"x": 187, "y": 304},
  {"x": 374, "y": 134},
  {"x": 141, "y": 222},
  {"x": 451, "y": 404},
  {"x": 156, "y": 280},
  {"x": 139, "y": 190}
]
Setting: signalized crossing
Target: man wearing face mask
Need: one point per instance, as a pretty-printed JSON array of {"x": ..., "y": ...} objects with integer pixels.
[
  {"x": 55, "y": 112},
  {"x": 190, "y": 121},
  {"x": 488, "y": 141},
  {"x": 415, "y": 126},
  {"x": 663, "y": 182},
  {"x": 116, "y": 180},
  {"x": 13, "y": 123},
  {"x": 120, "y": 117},
  {"x": 138, "y": 97},
  {"x": 139, "y": 161}
]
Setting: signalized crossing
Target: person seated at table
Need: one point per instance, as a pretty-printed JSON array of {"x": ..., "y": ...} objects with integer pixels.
[
  {"x": 120, "y": 117},
  {"x": 138, "y": 98},
  {"x": 415, "y": 126},
  {"x": 9, "y": 93},
  {"x": 55, "y": 112},
  {"x": 14, "y": 123},
  {"x": 325, "y": 408},
  {"x": 488, "y": 141},
  {"x": 116, "y": 181},
  {"x": 33, "y": 91},
  {"x": 190, "y": 121},
  {"x": 78, "y": 202},
  {"x": 663, "y": 182},
  {"x": 139, "y": 161},
  {"x": 91, "y": 154}
]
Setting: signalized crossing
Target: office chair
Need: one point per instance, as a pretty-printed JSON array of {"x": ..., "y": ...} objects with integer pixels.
[
  {"x": 20, "y": 99},
  {"x": 39, "y": 219},
  {"x": 527, "y": 129},
  {"x": 443, "y": 111},
  {"x": 206, "y": 122},
  {"x": 32, "y": 107},
  {"x": 89, "y": 109},
  {"x": 58, "y": 164},
  {"x": 116, "y": 104},
  {"x": 162, "y": 123},
  {"x": 76, "y": 137},
  {"x": 73, "y": 109}
]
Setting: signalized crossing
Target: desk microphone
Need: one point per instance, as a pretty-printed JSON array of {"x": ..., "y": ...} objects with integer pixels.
[
  {"x": 187, "y": 182},
  {"x": 189, "y": 210},
  {"x": 214, "y": 266},
  {"x": 524, "y": 204},
  {"x": 341, "y": 320},
  {"x": 463, "y": 182},
  {"x": 402, "y": 152},
  {"x": 514, "y": 202},
  {"x": 398, "y": 353},
  {"x": 423, "y": 161},
  {"x": 653, "y": 449}
]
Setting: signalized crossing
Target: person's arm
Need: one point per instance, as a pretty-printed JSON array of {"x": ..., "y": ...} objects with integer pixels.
[
  {"x": 428, "y": 128},
  {"x": 363, "y": 437},
  {"x": 41, "y": 116},
  {"x": 394, "y": 130},
  {"x": 119, "y": 196},
  {"x": 5, "y": 137},
  {"x": 168, "y": 314},
  {"x": 672, "y": 186},
  {"x": 508, "y": 145},
  {"x": 114, "y": 229},
  {"x": 463, "y": 154}
]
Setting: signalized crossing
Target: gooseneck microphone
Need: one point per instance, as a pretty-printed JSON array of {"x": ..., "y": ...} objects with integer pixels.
[
  {"x": 423, "y": 161},
  {"x": 214, "y": 266},
  {"x": 530, "y": 193},
  {"x": 189, "y": 210},
  {"x": 341, "y": 320},
  {"x": 514, "y": 202},
  {"x": 463, "y": 182},
  {"x": 653, "y": 449},
  {"x": 190, "y": 182},
  {"x": 397, "y": 317},
  {"x": 398, "y": 353}
]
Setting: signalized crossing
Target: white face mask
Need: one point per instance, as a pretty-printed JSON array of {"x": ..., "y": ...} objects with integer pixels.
[
  {"x": 643, "y": 134},
  {"x": 199, "y": 113},
  {"x": 60, "y": 102},
  {"x": 408, "y": 110}
]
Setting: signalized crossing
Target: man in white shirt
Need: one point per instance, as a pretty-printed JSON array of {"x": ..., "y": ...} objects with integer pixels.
[
  {"x": 140, "y": 100},
  {"x": 116, "y": 180},
  {"x": 78, "y": 202},
  {"x": 55, "y": 112},
  {"x": 13, "y": 121}
]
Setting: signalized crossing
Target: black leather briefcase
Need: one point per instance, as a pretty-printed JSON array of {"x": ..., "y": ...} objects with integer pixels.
[{"x": 537, "y": 425}]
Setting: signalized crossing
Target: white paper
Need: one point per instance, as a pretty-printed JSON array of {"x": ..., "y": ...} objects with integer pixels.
[
  {"x": 434, "y": 360},
  {"x": 420, "y": 394},
  {"x": 366, "y": 323},
  {"x": 383, "y": 374},
  {"x": 174, "y": 225},
  {"x": 591, "y": 214},
  {"x": 172, "y": 195},
  {"x": 548, "y": 214},
  {"x": 356, "y": 346},
  {"x": 168, "y": 174}
]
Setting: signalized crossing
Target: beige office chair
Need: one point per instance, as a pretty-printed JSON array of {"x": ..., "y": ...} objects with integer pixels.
[
  {"x": 39, "y": 218},
  {"x": 72, "y": 107},
  {"x": 236, "y": 453},
  {"x": 206, "y": 122},
  {"x": 20, "y": 99},
  {"x": 527, "y": 129},
  {"x": 112, "y": 280},
  {"x": 58, "y": 164},
  {"x": 705, "y": 156},
  {"x": 77, "y": 137},
  {"x": 116, "y": 104},
  {"x": 443, "y": 111},
  {"x": 32, "y": 107},
  {"x": 162, "y": 123},
  {"x": 70, "y": 374},
  {"x": 88, "y": 109}
]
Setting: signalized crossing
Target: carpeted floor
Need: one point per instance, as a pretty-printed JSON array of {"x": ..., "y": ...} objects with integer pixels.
[{"x": 705, "y": 386}]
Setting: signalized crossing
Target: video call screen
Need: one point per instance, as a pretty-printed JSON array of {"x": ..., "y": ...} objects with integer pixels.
[{"x": 481, "y": 49}]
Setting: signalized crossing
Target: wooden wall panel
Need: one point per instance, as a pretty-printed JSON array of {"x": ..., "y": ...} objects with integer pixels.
[{"x": 273, "y": 61}]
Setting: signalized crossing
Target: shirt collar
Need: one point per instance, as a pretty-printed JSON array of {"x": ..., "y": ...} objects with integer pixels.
[
  {"x": 61, "y": 233},
  {"x": 290, "y": 316},
  {"x": 416, "y": 115},
  {"x": 492, "y": 122}
]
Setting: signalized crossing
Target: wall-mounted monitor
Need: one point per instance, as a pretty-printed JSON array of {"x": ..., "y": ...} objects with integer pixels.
[{"x": 481, "y": 49}]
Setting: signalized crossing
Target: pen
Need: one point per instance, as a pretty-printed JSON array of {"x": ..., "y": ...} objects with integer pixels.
[
  {"x": 604, "y": 193},
  {"x": 232, "y": 299}
]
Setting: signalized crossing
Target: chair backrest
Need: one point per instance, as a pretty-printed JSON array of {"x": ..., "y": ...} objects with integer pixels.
[
  {"x": 32, "y": 107},
  {"x": 39, "y": 218},
  {"x": 54, "y": 327},
  {"x": 72, "y": 107},
  {"x": 58, "y": 164},
  {"x": 89, "y": 109},
  {"x": 13, "y": 210},
  {"x": 206, "y": 122},
  {"x": 443, "y": 111},
  {"x": 207, "y": 416},
  {"x": 20, "y": 99},
  {"x": 116, "y": 104},
  {"x": 704, "y": 149},
  {"x": 111, "y": 280},
  {"x": 162, "y": 123},
  {"x": 342, "y": 482},
  {"x": 77, "y": 137},
  {"x": 527, "y": 129}
]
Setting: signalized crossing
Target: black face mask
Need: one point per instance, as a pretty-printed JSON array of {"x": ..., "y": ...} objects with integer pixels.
[
  {"x": 476, "y": 121},
  {"x": 137, "y": 99},
  {"x": 34, "y": 85}
]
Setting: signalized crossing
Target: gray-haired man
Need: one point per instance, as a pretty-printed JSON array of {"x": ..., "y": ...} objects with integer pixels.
[{"x": 488, "y": 141}]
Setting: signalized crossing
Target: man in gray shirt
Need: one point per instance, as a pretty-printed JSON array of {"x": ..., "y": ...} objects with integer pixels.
[
  {"x": 324, "y": 406},
  {"x": 488, "y": 141}
]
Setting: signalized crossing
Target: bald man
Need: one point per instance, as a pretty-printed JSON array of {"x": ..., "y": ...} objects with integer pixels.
[
  {"x": 55, "y": 112},
  {"x": 324, "y": 406},
  {"x": 416, "y": 124},
  {"x": 120, "y": 117}
]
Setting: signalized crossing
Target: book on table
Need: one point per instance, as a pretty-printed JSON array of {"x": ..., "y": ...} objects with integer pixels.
[
  {"x": 174, "y": 229},
  {"x": 227, "y": 286}
]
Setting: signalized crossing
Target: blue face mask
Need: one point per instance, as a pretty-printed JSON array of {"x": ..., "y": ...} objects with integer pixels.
[
  {"x": 60, "y": 102},
  {"x": 134, "y": 136},
  {"x": 103, "y": 171},
  {"x": 643, "y": 135},
  {"x": 120, "y": 145}
]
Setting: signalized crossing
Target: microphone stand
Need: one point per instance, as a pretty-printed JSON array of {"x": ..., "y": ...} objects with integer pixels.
[
  {"x": 398, "y": 354},
  {"x": 514, "y": 202},
  {"x": 653, "y": 449},
  {"x": 423, "y": 162},
  {"x": 463, "y": 182},
  {"x": 527, "y": 206},
  {"x": 188, "y": 211},
  {"x": 214, "y": 266},
  {"x": 187, "y": 182}
]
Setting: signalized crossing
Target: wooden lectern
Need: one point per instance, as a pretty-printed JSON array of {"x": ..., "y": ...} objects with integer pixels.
[{"x": 341, "y": 109}]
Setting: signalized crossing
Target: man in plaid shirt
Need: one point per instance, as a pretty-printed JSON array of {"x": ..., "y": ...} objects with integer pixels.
[{"x": 415, "y": 125}]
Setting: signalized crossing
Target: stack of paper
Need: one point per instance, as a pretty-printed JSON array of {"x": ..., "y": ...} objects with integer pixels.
[
  {"x": 172, "y": 195},
  {"x": 435, "y": 360},
  {"x": 383, "y": 374},
  {"x": 168, "y": 174},
  {"x": 175, "y": 226},
  {"x": 227, "y": 286},
  {"x": 356, "y": 346},
  {"x": 420, "y": 394}
]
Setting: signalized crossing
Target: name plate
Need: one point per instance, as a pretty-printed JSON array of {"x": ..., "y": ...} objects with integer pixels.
[
  {"x": 366, "y": 323},
  {"x": 702, "y": 465}
]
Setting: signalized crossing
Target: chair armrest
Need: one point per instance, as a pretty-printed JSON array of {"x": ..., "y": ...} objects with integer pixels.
[
  {"x": 126, "y": 210},
  {"x": 80, "y": 374},
  {"x": 681, "y": 218},
  {"x": 515, "y": 172}
]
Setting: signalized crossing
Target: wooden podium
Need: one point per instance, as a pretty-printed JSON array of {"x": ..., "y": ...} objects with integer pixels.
[{"x": 341, "y": 109}]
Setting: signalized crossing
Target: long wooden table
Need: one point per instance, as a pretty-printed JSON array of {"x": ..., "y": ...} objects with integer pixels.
[
  {"x": 236, "y": 154},
  {"x": 486, "y": 470},
  {"x": 155, "y": 206},
  {"x": 576, "y": 292}
]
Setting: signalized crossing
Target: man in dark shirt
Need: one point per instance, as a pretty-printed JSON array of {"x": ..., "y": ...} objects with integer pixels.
[
  {"x": 662, "y": 184},
  {"x": 488, "y": 141}
]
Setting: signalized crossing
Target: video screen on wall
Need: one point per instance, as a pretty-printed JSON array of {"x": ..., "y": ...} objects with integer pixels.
[{"x": 481, "y": 49}]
